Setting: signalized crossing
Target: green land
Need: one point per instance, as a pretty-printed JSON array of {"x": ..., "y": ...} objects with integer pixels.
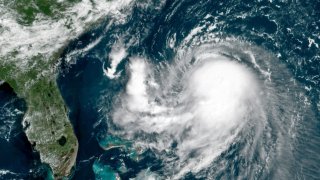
[
  {"x": 46, "y": 121},
  {"x": 27, "y": 10}
]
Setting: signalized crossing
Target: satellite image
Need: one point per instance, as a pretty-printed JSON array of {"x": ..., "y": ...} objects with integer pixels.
[{"x": 160, "y": 89}]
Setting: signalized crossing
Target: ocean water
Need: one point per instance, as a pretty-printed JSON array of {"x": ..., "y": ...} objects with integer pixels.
[
  {"x": 18, "y": 160},
  {"x": 124, "y": 83},
  {"x": 146, "y": 93}
]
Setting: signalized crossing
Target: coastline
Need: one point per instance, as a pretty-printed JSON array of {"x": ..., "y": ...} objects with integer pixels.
[{"x": 46, "y": 120}]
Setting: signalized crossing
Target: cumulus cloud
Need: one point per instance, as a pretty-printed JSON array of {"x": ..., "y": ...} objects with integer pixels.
[{"x": 201, "y": 107}]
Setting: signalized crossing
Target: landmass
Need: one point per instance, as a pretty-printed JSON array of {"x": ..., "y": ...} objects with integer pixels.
[
  {"x": 32, "y": 35},
  {"x": 33, "y": 78},
  {"x": 46, "y": 122}
]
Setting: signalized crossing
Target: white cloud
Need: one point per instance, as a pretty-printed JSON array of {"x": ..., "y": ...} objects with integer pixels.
[{"x": 45, "y": 36}]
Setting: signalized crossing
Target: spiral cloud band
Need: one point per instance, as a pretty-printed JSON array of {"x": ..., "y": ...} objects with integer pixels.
[
  {"x": 198, "y": 90},
  {"x": 195, "y": 107}
]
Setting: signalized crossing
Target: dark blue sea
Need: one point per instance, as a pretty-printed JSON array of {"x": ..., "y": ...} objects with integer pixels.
[
  {"x": 283, "y": 36},
  {"x": 18, "y": 160}
]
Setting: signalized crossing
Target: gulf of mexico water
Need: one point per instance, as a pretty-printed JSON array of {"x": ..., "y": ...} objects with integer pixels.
[
  {"x": 127, "y": 85},
  {"x": 18, "y": 159}
]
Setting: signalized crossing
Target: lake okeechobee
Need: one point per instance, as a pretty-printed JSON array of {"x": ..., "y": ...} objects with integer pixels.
[{"x": 192, "y": 90}]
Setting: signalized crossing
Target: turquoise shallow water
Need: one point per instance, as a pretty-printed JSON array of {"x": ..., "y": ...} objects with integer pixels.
[
  {"x": 273, "y": 29},
  {"x": 282, "y": 36},
  {"x": 277, "y": 34}
]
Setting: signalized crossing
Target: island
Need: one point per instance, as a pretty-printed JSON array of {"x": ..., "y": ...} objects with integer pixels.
[{"x": 33, "y": 34}]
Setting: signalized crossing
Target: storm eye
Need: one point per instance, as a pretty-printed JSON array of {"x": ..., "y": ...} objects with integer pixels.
[{"x": 62, "y": 141}]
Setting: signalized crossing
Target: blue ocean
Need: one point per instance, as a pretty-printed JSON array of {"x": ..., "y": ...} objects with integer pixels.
[{"x": 135, "y": 117}]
